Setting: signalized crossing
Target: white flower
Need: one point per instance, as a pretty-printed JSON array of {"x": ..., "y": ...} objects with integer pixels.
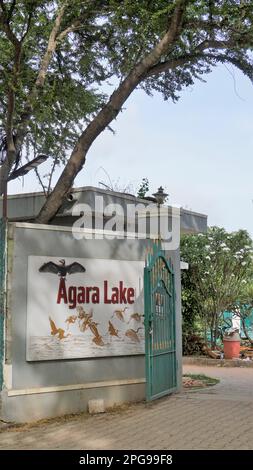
[
  {"x": 208, "y": 257},
  {"x": 212, "y": 252},
  {"x": 226, "y": 248},
  {"x": 223, "y": 245},
  {"x": 207, "y": 247},
  {"x": 243, "y": 263},
  {"x": 244, "y": 282}
]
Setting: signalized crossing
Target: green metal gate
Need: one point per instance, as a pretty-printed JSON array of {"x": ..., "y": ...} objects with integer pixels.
[
  {"x": 2, "y": 298},
  {"x": 159, "y": 298}
]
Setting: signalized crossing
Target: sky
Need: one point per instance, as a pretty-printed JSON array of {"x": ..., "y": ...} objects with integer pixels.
[{"x": 199, "y": 149}]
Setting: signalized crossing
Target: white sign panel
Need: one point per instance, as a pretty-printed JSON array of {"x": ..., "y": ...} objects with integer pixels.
[{"x": 79, "y": 308}]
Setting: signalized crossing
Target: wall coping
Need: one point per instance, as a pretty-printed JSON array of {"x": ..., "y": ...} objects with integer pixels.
[{"x": 207, "y": 361}]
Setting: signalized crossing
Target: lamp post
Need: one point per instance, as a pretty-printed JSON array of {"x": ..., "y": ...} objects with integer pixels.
[
  {"x": 4, "y": 214},
  {"x": 160, "y": 197}
]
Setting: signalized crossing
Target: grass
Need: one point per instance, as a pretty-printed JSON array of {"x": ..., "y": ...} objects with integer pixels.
[{"x": 208, "y": 381}]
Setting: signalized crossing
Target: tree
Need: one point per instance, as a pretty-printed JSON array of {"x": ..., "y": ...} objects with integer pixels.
[
  {"x": 220, "y": 266},
  {"x": 143, "y": 188},
  {"x": 57, "y": 47}
]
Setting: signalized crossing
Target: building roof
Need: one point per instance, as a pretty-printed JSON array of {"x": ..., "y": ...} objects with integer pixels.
[{"x": 25, "y": 207}]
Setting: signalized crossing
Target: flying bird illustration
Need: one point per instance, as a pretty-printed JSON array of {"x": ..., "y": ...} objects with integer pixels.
[
  {"x": 57, "y": 331},
  {"x": 62, "y": 269},
  {"x": 135, "y": 317},
  {"x": 71, "y": 319},
  {"x": 81, "y": 312},
  {"x": 112, "y": 330},
  {"x": 98, "y": 340},
  {"x": 84, "y": 325},
  {"x": 93, "y": 328},
  {"x": 120, "y": 314},
  {"x": 84, "y": 318},
  {"x": 132, "y": 334}
]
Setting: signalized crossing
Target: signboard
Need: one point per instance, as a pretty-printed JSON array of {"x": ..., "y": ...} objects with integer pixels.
[{"x": 80, "y": 308}]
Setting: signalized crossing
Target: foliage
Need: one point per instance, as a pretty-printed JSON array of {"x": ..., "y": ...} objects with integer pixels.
[
  {"x": 143, "y": 188},
  {"x": 220, "y": 266},
  {"x": 203, "y": 378}
]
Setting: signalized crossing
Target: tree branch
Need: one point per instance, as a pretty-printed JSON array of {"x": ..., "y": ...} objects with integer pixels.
[
  {"x": 191, "y": 57},
  {"x": 41, "y": 182},
  {"x": 28, "y": 25},
  {"x": 75, "y": 25},
  {"x": 40, "y": 81},
  {"x": 5, "y": 21},
  {"x": 171, "y": 64},
  {"x": 50, "y": 48},
  {"x": 11, "y": 10},
  {"x": 51, "y": 175}
]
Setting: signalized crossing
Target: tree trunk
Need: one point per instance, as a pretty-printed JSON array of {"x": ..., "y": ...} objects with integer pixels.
[
  {"x": 205, "y": 331},
  {"x": 211, "y": 331},
  {"x": 216, "y": 330},
  {"x": 6, "y": 167}
]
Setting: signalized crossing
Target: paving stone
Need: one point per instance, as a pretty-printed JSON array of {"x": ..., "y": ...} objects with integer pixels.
[{"x": 220, "y": 417}]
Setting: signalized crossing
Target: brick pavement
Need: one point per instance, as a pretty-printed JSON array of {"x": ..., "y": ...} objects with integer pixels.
[{"x": 219, "y": 417}]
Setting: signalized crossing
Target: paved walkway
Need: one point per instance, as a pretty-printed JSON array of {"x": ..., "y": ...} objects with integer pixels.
[{"x": 220, "y": 417}]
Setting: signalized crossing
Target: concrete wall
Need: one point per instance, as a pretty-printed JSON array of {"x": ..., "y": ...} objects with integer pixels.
[
  {"x": 34, "y": 390},
  {"x": 25, "y": 207}
]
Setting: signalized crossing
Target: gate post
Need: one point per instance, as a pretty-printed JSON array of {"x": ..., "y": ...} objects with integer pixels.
[{"x": 2, "y": 295}]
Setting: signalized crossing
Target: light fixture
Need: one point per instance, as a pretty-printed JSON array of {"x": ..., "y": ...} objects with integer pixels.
[
  {"x": 160, "y": 196},
  {"x": 28, "y": 167},
  {"x": 16, "y": 174}
]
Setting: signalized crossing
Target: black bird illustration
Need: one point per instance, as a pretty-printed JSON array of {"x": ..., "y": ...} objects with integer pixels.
[{"x": 62, "y": 269}]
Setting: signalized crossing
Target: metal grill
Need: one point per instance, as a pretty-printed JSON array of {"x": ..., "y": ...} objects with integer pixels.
[{"x": 159, "y": 325}]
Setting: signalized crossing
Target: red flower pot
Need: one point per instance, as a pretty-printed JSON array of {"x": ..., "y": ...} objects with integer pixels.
[{"x": 232, "y": 346}]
